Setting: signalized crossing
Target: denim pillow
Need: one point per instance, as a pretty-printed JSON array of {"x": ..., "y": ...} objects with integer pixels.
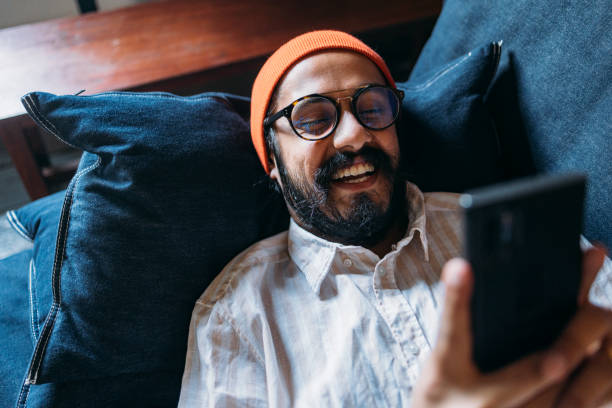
[
  {"x": 168, "y": 190},
  {"x": 551, "y": 98},
  {"x": 447, "y": 138}
]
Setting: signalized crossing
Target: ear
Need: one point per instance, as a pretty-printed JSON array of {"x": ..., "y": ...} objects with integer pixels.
[{"x": 274, "y": 175}]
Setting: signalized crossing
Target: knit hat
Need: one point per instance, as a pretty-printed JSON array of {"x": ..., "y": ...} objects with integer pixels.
[{"x": 283, "y": 59}]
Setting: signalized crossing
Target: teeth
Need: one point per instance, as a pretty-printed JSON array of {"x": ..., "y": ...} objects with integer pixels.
[
  {"x": 357, "y": 180},
  {"x": 355, "y": 170}
]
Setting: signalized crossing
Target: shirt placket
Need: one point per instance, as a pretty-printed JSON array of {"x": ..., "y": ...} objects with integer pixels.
[{"x": 400, "y": 318}]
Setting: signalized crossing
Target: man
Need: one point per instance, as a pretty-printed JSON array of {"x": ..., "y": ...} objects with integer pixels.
[{"x": 342, "y": 309}]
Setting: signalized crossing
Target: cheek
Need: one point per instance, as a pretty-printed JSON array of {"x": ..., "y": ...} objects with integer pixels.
[
  {"x": 302, "y": 157},
  {"x": 309, "y": 157},
  {"x": 389, "y": 143}
]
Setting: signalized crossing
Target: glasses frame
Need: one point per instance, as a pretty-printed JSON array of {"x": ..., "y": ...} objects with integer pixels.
[{"x": 287, "y": 110}]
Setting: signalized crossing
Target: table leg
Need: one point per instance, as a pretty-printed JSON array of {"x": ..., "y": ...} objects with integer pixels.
[{"x": 20, "y": 151}]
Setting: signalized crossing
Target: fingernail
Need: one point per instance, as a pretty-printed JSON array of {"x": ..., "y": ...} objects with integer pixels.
[
  {"x": 554, "y": 367},
  {"x": 601, "y": 247},
  {"x": 455, "y": 272},
  {"x": 593, "y": 347}
]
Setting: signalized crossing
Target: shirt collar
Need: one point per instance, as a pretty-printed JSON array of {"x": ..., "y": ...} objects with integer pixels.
[
  {"x": 415, "y": 206},
  {"x": 314, "y": 255}
]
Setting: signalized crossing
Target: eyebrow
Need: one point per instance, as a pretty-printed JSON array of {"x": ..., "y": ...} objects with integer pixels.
[{"x": 348, "y": 89}]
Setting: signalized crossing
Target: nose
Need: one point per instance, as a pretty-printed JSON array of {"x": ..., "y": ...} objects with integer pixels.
[{"x": 350, "y": 135}]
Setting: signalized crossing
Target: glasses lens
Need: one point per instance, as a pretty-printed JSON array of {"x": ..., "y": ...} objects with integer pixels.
[
  {"x": 377, "y": 107},
  {"x": 314, "y": 118}
]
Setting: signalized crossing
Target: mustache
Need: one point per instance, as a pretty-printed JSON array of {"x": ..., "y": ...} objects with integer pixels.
[{"x": 378, "y": 158}]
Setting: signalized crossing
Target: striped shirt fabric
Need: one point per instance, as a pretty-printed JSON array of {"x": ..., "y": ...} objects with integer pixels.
[{"x": 299, "y": 321}]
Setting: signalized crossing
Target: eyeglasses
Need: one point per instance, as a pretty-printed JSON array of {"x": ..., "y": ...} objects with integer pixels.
[{"x": 314, "y": 117}]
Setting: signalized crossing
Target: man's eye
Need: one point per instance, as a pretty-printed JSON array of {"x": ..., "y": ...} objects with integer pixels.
[
  {"x": 372, "y": 111},
  {"x": 313, "y": 126}
]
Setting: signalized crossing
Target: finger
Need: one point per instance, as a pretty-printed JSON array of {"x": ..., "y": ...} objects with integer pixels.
[
  {"x": 454, "y": 343},
  {"x": 591, "y": 383},
  {"x": 546, "y": 398},
  {"x": 524, "y": 380},
  {"x": 588, "y": 327},
  {"x": 592, "y": 260},
  {"x": 606, "y": 401}
]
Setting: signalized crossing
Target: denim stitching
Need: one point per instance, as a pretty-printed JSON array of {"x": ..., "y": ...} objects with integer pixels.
[
  {"x": 40, "y": 119},
  {"x": 23, "y": 394},
  {"x": 17, "y": 225},
  {"x": 152, "y": 95},
  {"x": 33, "y": 301},
  {"x": 437, "y": 76},
  {"x": 50, "y": 127},
  {"x": 41, "y": 345}
]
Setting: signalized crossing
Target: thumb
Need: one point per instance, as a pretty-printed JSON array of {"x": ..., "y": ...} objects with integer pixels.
[{"x": 454, "y": 344}]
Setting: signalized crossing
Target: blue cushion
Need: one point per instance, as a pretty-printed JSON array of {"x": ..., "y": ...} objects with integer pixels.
[
  {"x": 16, "y": 341},
  {"x": 22, "y": 308},
  {"x": 168, "y": 190},
  {"x": 551, "y": 99},
  {"x": 39, "y": 221},
  {"x": 447, "y": 138}
]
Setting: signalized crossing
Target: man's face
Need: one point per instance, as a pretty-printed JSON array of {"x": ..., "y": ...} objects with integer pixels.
[{"x": 315, "y": 176}]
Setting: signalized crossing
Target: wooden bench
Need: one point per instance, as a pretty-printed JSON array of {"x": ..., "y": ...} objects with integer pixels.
[{"x": 172, "y": 46}]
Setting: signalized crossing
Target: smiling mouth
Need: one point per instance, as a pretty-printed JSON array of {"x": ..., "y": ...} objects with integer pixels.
[{"x": 356, "y": 173}]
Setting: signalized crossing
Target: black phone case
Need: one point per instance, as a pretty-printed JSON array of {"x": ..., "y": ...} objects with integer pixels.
[{"x": 522, "y": 239}]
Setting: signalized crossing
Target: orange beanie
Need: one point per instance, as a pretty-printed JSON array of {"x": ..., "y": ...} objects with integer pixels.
[{"x": 283, "y": 59}]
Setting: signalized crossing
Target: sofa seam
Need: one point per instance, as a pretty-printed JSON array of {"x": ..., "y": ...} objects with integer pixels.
[
  {"x": 41, "y": 119},
  {"x": 437, "y": 76},
  {"x": 34, "y": 316},
  {"x": 41, "y": 344},
  {"x": 17, "y": 226},
  {"x": 22, "y": 399},
  {"x": 152, "y": 95}
]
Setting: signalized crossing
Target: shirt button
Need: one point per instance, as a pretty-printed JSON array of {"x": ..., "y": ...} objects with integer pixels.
[
  {"x": 382, "y": 271},
  {"x": 415, "y": 350},
  {"x": 347, "y": 262}
]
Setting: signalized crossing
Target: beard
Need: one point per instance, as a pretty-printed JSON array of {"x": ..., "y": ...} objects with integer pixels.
[{"x": 366, "y": 222}]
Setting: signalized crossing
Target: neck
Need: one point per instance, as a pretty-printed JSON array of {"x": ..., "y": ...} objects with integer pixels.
[
  {"x": 382, "y": 247},
  {"x": 396, "y": 231}
]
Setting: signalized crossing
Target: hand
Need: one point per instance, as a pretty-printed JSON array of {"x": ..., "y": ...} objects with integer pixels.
[
  {"x": 591, "y": 384},
  {"x": 451, "y": 379}
]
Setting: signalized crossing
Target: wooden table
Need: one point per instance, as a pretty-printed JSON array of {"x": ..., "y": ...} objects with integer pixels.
[{"x": 164, "y": 45}]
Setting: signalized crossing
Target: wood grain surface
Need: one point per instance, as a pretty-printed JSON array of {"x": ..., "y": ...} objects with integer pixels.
[{"x": 157, "y": 43}]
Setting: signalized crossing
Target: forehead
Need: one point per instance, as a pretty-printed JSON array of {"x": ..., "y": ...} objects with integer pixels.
[{"x": 327, "y": 72}]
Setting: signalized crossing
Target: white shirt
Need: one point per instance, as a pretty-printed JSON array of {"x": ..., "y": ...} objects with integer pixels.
[{"x": 296, "y": 320}]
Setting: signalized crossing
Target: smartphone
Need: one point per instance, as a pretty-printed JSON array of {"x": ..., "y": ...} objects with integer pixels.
[{"x": 522, "y": 239}]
